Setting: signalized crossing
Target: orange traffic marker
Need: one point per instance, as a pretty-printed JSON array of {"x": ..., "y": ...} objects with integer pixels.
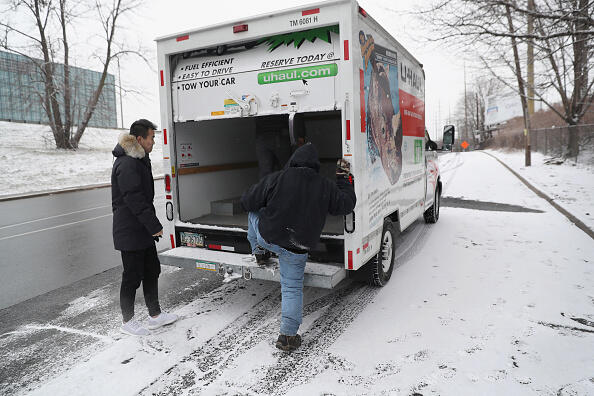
[{"x": 464, "y": 145}]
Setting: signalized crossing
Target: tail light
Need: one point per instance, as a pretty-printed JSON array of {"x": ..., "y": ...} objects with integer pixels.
[{"x": 167, "y": 183}]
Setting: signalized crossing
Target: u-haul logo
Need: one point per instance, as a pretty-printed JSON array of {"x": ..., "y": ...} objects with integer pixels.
[{"x": 410, "y": 78}]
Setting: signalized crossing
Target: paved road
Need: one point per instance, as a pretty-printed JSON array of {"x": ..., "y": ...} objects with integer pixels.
[{"x": 52, "y": 241}]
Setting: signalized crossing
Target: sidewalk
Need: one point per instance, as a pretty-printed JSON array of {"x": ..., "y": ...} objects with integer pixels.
[{"x": 570, "y": 185}]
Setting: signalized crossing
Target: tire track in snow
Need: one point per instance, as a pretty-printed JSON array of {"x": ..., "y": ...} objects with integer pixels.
[
  {"x": 299, "y": 367},
  {"x": 205, "y": 365},
  {"x": 458, "y": 162}
]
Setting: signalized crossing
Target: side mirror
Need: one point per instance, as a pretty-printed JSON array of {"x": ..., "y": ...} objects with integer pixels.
[{"x": 448, "y": 137}]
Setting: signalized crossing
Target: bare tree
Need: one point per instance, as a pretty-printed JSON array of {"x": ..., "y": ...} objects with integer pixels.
[
  {"x": 496, "y": 30},
  {"x": 475, "y": 102},
  {"x": 52, "y": 20}
]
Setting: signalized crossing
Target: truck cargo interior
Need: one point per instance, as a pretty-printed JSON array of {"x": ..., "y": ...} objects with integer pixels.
[{"x": 217, "y": 162}]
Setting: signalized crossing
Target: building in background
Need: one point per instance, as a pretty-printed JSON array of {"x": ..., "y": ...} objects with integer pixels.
[{"x": 22, "y": 92}]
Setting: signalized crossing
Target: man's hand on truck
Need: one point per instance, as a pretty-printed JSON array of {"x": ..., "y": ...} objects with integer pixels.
[
  {"x": 158, "y": 235},
  {"x": 343, "y": 168}
]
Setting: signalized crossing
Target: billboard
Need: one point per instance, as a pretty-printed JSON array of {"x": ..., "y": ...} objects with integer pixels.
[{"x": 499, "y": 109}]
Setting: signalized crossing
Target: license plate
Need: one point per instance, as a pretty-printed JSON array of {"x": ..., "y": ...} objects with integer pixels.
[{"x": 191, "y": 239}]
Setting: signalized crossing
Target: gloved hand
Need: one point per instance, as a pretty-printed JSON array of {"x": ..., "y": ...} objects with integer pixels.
[{"x": 343, "y": 168}]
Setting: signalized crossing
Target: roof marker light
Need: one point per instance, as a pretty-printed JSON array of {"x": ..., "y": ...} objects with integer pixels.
[
  {"x": 362, "y": 12},
  {"x": 240, "y": 28},
  {"x": 182, "y": 38},
  {"x": 310, "y": 12}
]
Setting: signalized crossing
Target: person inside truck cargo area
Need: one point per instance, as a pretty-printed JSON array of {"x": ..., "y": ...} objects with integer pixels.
[
  {"x": 287, "y": 211},
  {"x": 136, "y": 226},
  {"x": 273, "y": 143}
]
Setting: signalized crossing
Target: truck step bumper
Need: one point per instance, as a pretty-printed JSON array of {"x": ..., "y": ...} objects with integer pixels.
[{"x": 323, "y": 275}]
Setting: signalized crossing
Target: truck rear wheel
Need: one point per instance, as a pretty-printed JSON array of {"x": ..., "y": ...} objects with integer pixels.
[
  {"x": 379, "y": 269},
  {"x": 431, "y": 215}
]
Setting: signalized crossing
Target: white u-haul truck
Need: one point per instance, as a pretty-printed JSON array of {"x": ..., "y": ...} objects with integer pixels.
[{"x": 360, "y": 96}]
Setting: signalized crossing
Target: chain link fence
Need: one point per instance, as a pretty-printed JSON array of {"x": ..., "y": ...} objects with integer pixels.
[{"x": 553, "y": 142}]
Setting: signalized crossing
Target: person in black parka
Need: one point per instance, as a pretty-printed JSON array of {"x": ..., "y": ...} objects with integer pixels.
[
  {"x": 136, "y": 226},
  {"x": 287, "y": 211}
]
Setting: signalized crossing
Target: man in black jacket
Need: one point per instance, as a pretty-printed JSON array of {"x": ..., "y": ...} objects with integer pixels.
[
  {"x": 136, "y": 226},
  {"x": 287, "y": 211}
]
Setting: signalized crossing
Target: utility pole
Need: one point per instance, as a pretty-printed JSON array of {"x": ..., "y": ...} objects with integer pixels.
[
  {"x": 521, "y": 83},
  {"x": 465, "y": 107},
  {"x": 530, "y": 77}
]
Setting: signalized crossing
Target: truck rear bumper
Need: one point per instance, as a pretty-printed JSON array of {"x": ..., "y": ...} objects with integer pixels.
[{"x": 324, "y": 275}]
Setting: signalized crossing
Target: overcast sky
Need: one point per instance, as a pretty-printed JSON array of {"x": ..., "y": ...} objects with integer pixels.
[{"x": 443, "y": 69}]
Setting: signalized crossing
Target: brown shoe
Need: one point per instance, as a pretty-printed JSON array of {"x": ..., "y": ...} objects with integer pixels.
[{"x": 288, "y": 343}]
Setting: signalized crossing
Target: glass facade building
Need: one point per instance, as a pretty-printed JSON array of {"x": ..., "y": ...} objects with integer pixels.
[{"x": 22, "y": 92}]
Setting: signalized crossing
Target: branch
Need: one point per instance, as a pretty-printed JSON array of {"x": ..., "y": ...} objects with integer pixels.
[{"x": 9, "y": 27}]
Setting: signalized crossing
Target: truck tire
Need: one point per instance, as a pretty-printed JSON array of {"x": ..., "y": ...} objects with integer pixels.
[
  {"x": 379, "y": 268},
  {"x": 431, "y": 215}
]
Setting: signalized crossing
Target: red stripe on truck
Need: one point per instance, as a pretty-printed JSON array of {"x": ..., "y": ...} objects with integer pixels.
[
  {"x": 164, "y": 136},
  {"x": 172, "y": 241},
  {"x": 350, "y": 259},
  {"x": 412, "y": 110},
  {"x": 162, "y": 80},
  {"x": 346, "y": 49}
]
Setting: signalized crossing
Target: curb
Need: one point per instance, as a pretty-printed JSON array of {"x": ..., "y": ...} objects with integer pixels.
[
  {"x": 60, "y": 191},
  {"x": 581, "y": 225}
]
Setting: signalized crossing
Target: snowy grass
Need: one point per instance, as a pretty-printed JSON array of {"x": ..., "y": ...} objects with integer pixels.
[
  {"x": 29, "y": 161},
  {"x": 571, "y": 185}
]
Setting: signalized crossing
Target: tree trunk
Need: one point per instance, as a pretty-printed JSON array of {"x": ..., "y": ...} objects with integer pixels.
[
  {"x": 110, "y": 32},
  {"x": 51, "y": 93},
  {"x": 521, "y": 88},
  {"x": 580, "y": 77},
  {"x": 67, "y": 90}
]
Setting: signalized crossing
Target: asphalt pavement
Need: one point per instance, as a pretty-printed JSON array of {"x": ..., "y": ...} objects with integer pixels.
[{"x": 51, "y": 241}]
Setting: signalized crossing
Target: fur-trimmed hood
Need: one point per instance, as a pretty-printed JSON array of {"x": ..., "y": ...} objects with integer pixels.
[{"x": 128, "y": 145}]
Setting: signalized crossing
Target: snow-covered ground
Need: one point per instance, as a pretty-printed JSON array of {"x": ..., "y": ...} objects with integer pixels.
[
  {"x": 30, "y": 163},
  {"x": 484, "y": 302},
  {"x": 570, "y": 184}
]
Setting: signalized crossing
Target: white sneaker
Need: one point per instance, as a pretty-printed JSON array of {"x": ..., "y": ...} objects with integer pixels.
[
  {"x": 163, "y": 319},
  {"x": 134, "y": 328}
]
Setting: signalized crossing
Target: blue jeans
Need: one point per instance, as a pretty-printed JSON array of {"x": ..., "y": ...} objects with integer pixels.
[{"x": 292, "y": 266}]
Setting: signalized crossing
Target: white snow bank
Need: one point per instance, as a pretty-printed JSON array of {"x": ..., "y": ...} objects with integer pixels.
[
  {"x": 29, "y": 161},
  {"x": 571, "y": 185}
]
